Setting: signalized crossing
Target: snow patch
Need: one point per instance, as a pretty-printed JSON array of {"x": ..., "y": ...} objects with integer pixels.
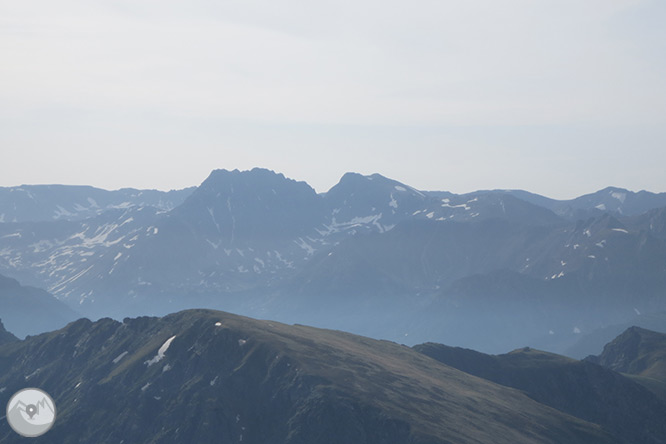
[
  {"x": 214, "y": 381},
  {"x": 399, "y": 188},
  {"x": 218, "y": 324},
  {"x": 637, "y": 311},
  {"x": 145, "y": 387},
  {"x": 393, "y": 203},
  {"x": 621, "y": 230},
  {"x": 118, "y": 256},
  {"x": 619, "y": 196},
  {"x": 213, "y": 244},
  {"x": 576, "y": 330},
  {"x": 120, "y": 357},
  {"x": 465, "y": 206},
  {"x": 61, "y": 212},
  {"x": 210, "y": 211},
  {"x": 601, "y": 207},
  {"x": 36, "y": 372},
  {"x": 305, "y": 246},
  {"x": 160, "y": 353}
]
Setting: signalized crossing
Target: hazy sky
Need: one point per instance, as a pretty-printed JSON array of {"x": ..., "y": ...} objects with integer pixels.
[{"x": 560, "y": 97}]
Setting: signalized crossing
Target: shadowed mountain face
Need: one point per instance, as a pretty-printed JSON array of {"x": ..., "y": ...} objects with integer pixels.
[
  {"x": 638, "y": 353},
  {"x": 579, "y": 388},
  {"x": 205, "y": 376},
  {"x": 492, "y": 270},
  {"x": 29, "y": 311},
  {"x": 5, "y": 336}
]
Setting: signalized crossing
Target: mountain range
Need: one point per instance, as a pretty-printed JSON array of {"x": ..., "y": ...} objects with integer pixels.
[
  {"x": 491, "y": 270},
  {"x": 209, "y": 376}
]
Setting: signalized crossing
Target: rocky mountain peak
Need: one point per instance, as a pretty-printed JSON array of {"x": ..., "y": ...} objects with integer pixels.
[
  {"x": 237, "y": 205},
  {"x": 634, "y": 351}
]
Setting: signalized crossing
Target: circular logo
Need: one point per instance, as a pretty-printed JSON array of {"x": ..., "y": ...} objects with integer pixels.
[{"x": 31, "y": 412}]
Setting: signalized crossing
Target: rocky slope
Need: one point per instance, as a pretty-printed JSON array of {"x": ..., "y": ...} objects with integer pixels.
[
  {"x": 205, "y": 376},
  {"x": 639, "y": 353},
  {"x": 580, "y": 388}
]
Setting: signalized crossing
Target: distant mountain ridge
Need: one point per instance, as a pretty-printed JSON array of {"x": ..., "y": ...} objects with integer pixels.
[
  {"x": 617, "y": 201},
  {"x": 28, "y": 310},
  {"x": 372, "y": 255},
  {"x": 33, "y": 203},
  {"x": 5, "y": 336}
]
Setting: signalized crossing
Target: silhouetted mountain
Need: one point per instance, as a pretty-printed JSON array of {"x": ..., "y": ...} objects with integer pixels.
[
  {"x": 579, "y": 388},
  {"x": 206, "y": 376},
  {"x": 636, "y": 351},
  {"x": 592, "y": 343},
  {"x": 65, "y": 202},
  {"x": 640, "y": 353},
  {"x": 5, "y": 336},
  {"x": 29, "y": 311}
]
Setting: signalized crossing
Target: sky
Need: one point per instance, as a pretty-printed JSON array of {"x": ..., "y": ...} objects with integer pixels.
[{"x": 558, "y": 97}]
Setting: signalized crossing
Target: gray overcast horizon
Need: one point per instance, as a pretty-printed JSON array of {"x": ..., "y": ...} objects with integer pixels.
[{"x": 558, "y": 97}]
